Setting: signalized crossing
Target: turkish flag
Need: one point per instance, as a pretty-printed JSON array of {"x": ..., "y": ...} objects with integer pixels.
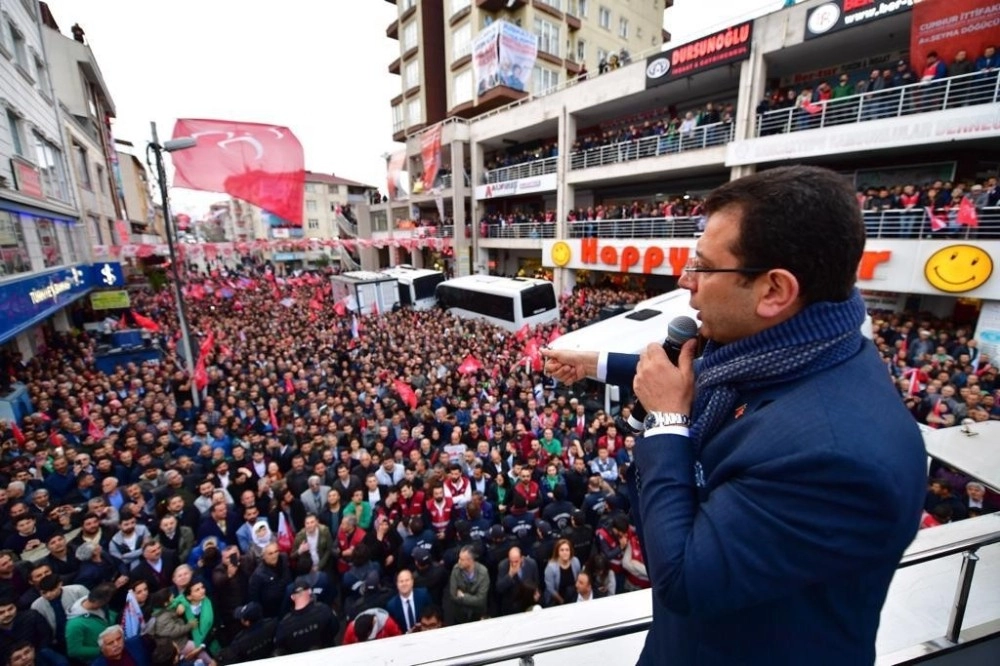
[
  {"x": 405, "y": 392},
  {"x": 145, "y": 322},
  {"x": 967, "y": 213},
  {"x": 469, "y": 365},
  {"x": 261, "y": 164}
]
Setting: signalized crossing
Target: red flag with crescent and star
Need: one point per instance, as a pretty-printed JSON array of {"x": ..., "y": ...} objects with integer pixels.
[{"x": 261, "y": 164}]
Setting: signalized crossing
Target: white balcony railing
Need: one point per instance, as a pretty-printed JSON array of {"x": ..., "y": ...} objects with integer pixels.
[
  {"x": 529, "y": 230},
  {"x": 705, "y": 136},
  {"x": 912, "y": 223},
  {"x": 523, "y": 170},
  {"x": 949, "y": 93}
]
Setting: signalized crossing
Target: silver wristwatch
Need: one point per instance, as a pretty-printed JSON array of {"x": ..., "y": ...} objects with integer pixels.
[{"x": 657, "y": 419}]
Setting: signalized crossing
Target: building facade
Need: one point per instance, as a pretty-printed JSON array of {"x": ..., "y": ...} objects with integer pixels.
[
  {"x": 634, "y": 150},
  {"x": 44, "y": 247},
  {"x": 87, "y": 110}
]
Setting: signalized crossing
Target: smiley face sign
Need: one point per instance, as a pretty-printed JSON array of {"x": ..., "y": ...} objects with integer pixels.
[
  {"x": 957, "y": 269},
  {"x": 561, "y": 254}
]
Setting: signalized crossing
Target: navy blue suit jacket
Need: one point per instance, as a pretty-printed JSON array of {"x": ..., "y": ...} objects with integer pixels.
[
  {"x": 421, "y": 599},
  {"x": 812, "y": 490}
]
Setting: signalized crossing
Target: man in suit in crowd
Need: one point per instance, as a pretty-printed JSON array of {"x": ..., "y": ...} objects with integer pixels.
[{"x": 408, "y": 603}]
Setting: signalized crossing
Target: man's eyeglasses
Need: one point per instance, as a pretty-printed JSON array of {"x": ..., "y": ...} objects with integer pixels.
[{"x": 694, "y": 266}]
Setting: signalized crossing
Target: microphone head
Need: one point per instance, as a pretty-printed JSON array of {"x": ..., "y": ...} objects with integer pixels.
[{"x": 681, "y": 329}]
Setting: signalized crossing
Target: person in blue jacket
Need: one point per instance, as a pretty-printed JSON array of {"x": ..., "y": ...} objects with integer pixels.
[{"x": 779, "y": 478}]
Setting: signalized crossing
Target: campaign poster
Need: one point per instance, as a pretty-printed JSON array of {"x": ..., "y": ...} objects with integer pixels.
[
  {"x": 486, "y": 58},
  {"x": 950, "y": 26},
  {"x": 518, "y": 49}
]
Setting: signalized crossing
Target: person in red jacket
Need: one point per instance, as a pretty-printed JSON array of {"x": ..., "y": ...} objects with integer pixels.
[
  {"x": 348, "y": 536},
  {"x": 440, "y": 509},
  {"x": 527, "y": 488},
  {"x": 371, "y": 625}
]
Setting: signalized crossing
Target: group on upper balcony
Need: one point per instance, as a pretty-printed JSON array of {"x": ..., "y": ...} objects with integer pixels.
[{"x": 883, "y": 93}]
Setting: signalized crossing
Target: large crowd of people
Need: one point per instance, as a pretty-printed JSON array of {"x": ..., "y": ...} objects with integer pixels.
[{"x": 339, "y": 482}]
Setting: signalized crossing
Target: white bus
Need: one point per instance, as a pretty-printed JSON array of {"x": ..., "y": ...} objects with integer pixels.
[
  {"x": 509, "y": 303},
  {"x": 630, "y": 332},
  {"x": 627, "y": 333},
  {"x": 365, "y": 292},
  {"x": 416, "y": 285}
]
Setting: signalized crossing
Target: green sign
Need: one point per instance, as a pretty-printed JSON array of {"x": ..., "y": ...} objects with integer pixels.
[{"x": 110, "y": 300}]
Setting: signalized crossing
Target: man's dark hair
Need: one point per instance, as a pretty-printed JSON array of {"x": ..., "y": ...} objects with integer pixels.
[
  {"x": 804, "y": 219},
  {"x": 101, "y": 594}
]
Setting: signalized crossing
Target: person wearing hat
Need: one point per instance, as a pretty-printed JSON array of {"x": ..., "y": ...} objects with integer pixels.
[
  {"x": 580, "y": 534},
  {"x": 255, "y": 639},
  {"x": 370, "y": 625},
  {"x": 542, "y": 549},
  {"x": 310, "y": 625},
  {"x": 429, "y": 574}
]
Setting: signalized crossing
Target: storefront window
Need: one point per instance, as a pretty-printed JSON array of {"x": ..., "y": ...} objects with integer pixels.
[
  {"x": 49, "y": 243},
  {"x": 13, "y": 250}
]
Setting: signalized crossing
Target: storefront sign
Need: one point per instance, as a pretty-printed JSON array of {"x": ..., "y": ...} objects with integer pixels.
[
  {"x": 107, "y": 274},
  {"x": 899, "y": 266},
  {"x": 511, "y": 188},
  {"x": 110, "y": 300},
  {"x": 973, "y": 122},
  {"x": 28, "y": 301},
  {"x": 27, "y": 179},
  {"x": 720, "y": 48},
  {"x": 840, "y": 14}
]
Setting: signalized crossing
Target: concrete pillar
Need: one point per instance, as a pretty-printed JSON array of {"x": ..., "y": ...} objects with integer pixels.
[
  {"x": 565, "y": 194},
  {"x": 753, "y": 83},
  {"x": 463, "y": 246},
  {"x": 367, "y": 256},
  {"x": 25, "y": 345},
  {"x": 60, "y": 321},
  {"x": 477, "y": 208}
]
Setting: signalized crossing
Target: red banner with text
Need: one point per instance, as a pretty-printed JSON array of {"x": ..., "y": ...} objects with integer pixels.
[
  {"x": 950, "y": 26},
  {"x": 430, "y": 153}
]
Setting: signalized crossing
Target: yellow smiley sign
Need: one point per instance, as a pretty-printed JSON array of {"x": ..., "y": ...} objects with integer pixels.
[
  {"x": 561, "y": 254},
  {"x": 958, "y": 268}
]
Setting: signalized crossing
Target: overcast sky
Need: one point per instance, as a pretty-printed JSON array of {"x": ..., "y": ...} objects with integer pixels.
[{"x": 319, "y": 67}]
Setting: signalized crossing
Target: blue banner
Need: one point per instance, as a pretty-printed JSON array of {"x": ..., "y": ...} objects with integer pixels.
[
  {"x": 107, "y": 275},
  {"x": 28, "y": 301}
]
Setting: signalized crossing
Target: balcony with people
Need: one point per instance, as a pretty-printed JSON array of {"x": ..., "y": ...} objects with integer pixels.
[{"x": 870, "y": 104}]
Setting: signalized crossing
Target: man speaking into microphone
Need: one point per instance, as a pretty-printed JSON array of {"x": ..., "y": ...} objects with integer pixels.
[{"x": 779, "y": 478}]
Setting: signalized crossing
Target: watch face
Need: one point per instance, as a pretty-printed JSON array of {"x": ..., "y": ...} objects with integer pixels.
[{"x": 650, "y": 421}]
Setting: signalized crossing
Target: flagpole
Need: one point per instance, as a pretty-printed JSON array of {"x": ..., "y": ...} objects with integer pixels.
[{"x": 168, "y": 224}]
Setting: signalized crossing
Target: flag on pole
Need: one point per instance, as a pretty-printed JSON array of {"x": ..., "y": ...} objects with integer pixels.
[
  {"x": 967, "y": 213},
  {"x": 938, "y": 222},
  {"x": 285, "y": 536},
  {"x": 405, "y": 392},
  {"x": 261, "y": 164},
  {"x": 355, "y": 327}
]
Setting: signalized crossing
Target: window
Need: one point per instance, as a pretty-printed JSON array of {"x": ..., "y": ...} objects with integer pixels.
[
  {"x": 82, "y": 168},
  {"x": 548, "y": 36},
  {"x": 555, "y": 4},
  {"x": 13, "y": 250},
  {"x": 51, "y": 168},
  {"x": 638, "y": 32},
  {"x": 461, "y": 42},
  {"x": 544, "y": 80},
  {"x": 409, "y": 36},
  {"x": 602, "y": 55},
  {"x": 101, "y": 182},
  {"x": 310, "y": 187},
  {"x": 411, "y": 75},
  {"x": 623, "y": 27},
  {"x": 462, "y": 88},
  {"x": 42, "y": 76},
  {"x": 582, "y": 8},
  {"x": 397, "y": 118},
  {"x": 313, "y": 223},
  {"x": 581, "y": 50},
  {"x": 604, "y": 18},
  {"x": 459, "y": 5},
  {"x": 19, "y": 47},
  {"x": 414, "y": 113},
  {"x": 333, "y": 189},
  {"x": 94, "y": 228},
  {"x": 407, "y": 4},
  {"x": 14, "y": 125},
  {"x": 51, "y": 253},
  {"x": 538, "y": 299},
  {"x": 311, "y": 206}
]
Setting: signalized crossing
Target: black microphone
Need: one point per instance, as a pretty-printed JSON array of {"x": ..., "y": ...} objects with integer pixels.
[{"x": 680, "y": 330}]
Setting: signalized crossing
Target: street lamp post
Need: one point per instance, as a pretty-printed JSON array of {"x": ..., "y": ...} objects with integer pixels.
[{"x": 168, "y": 223}]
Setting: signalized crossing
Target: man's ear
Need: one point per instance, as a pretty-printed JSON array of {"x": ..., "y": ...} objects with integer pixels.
[{"x": 777, "y": 294}]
